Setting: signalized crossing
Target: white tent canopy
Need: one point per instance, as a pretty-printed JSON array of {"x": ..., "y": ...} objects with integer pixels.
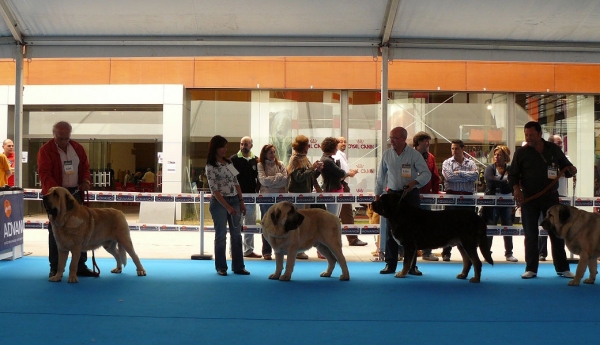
[{"x": 507, "y": 30}]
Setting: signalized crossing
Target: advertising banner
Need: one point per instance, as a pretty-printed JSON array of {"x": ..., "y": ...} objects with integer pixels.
[{"x": 12, "y": 220}]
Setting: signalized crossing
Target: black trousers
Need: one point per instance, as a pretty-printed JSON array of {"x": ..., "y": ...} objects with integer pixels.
[
  {"x": 53, "y": 248},
  {"x": 391, "y": 246}
]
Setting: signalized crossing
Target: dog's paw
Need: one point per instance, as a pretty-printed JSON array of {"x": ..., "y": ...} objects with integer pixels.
[
  {"x": 400, "y": 274},
  {"x": 325, "y": 274},
  {"x": 274, "y": 276},
  {"x": 344, "y": 277},
  {"x": 73, "y": 279},
  {"x": 141, "y": 273},
  {"x": 55, "y": 279},
  {"x": 285, "y": 278},
  {"x": 589, "y": 281},
  {"x": 116, "y": 270},
  {"x": 474, "y": 280},
  {"x": 573, "y": 283},
  {"x": 461, "y": 276}
]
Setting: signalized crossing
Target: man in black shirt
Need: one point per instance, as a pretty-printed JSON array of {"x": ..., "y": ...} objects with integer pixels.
[
  {"x": 246, "y": 163},
  {"x": 534, "y": 167}
]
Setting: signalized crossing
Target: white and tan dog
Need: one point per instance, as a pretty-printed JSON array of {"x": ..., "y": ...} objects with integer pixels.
[
  {"x": 77, "y": 228},
  {"x": 290, "y": 231}
]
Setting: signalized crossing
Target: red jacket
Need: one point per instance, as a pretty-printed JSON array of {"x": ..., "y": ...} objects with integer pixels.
[
  {"x": 433, "y": 186},
  {"x": 50, "y": 167},
  {"x": 11, "y": 160}
]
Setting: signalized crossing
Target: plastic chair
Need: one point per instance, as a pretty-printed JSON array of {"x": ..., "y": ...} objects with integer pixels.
[{"x": 147, "y": 187}]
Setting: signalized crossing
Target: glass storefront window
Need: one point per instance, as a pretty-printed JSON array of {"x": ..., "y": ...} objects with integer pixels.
[
  {"x": 478, "y": 119},
  {"x": 571, "y": 117},
  {"x": 364, "y": 138}
]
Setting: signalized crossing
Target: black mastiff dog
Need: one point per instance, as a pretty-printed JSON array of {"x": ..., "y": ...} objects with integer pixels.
[{"x": 415, "y": 228}]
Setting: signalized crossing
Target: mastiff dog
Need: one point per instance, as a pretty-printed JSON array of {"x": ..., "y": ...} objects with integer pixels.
[
  {"x": 415, "y": 228},
  {"x": 581, "y": 232},
  {"x": 77, "y": 228},
  {"x": 290, "y": 231}
]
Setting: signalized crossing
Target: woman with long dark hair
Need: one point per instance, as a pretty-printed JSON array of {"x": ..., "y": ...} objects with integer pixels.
[{"x": 226, "y": 206}]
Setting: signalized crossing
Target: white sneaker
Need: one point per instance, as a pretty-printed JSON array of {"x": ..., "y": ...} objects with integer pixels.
[
  {"x": 566, "y": 274},
  {"x": 511, "y": 258},
  {"x": 528, "y": 275},
  {"x": 430, "y": 257}
]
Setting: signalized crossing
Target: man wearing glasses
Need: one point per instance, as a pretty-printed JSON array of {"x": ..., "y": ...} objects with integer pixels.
[
  {"x": 402, "y": 170},
  {"x": 63, "y": 162}
]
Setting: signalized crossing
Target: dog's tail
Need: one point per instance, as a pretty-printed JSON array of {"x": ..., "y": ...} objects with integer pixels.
[
  {"x": 484, "y": 245},
  {"x": 122, "y": 254}
]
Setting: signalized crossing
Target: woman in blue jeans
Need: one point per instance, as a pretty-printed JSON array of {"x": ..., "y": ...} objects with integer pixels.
[{"x": 226, "y": 206}]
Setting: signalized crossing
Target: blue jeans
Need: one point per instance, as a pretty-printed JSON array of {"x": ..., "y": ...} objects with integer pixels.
[
  {"x": 426, "y": 252},
  {"x": 266, "y": 247},
  {"x": 530, "y": 215},
  {"x": 447, "y": 251},
  {"x": 504, "y": 214},
  {"x": 221, "y": 219},
  {"x": 250, "y": 219}
]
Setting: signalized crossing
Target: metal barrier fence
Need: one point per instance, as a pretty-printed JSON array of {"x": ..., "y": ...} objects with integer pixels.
[
  {"x": 297, "y": 198},
  {"x": 99, "y": 179}
]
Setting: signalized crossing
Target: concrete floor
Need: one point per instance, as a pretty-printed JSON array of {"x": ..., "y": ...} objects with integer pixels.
[{"x": 182, "y": 245}]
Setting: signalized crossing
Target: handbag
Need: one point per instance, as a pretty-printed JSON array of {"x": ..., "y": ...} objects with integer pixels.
[{"x": 318, "y": 188}]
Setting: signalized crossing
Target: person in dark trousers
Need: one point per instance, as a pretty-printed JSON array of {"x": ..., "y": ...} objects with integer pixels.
[
  {"x": 63, "y": 162},
  {"x": 402, "y": 170},
  {"x": 534, "y": 167},
  {"x": 421, "y": 144},
  {"x": 246, "y": 163},
  {"x": 346, "y": 214}
]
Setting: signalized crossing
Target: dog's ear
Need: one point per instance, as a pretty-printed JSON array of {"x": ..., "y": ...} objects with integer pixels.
[
  {"x": 58, "y": 201},
  {"x": 564, "y": 213},
  {"x": 70, "y": 201},
  {"x": 275, "y": 215},
  {"x": 293, "y": 220}
]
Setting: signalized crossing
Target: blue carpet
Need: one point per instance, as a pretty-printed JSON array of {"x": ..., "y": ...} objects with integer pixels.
[{"x": 186, "y": 302}]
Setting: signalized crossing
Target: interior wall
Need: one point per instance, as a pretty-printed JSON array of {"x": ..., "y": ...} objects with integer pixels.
[
  {"x": 144, "y": 156},
  {"x": 122, "y": 158}
]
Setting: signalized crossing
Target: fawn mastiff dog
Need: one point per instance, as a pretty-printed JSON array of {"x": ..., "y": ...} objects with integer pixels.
[
  {"x": 416, "y": 228},
  {"x": 581, "y": 232},
  {"x": 77, "y": 228},
  {"x": 290, "y": 231}
]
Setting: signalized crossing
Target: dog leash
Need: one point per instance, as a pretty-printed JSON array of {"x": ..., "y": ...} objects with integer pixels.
[
  {"x": 94, "y": 264},
  {"x": 404, "y": 193},
  {"x": 543, "y": 191}
]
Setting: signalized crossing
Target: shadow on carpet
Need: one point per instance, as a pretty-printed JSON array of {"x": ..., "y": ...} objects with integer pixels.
[{"x": 185, "y": 302}]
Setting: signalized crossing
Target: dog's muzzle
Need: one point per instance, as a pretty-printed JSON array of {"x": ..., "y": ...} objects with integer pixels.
[{"x": 52, "y": 211}]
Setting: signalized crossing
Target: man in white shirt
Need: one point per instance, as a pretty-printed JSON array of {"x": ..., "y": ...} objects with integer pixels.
[
  {"x": 402, "y": 171},
  {"x": 460, "y": 174},
  {"x": 346, "y": 211}
]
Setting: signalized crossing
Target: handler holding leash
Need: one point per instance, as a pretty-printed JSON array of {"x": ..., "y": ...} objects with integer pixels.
[
  {"x": 534, "y": 168},
  {"x": 402, "y": 170},
  {"x": 63, "y": 162}
]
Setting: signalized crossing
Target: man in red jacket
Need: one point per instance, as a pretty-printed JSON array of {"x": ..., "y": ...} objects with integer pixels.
[
  {"x": 421, "y": 144},
  {"x": 9, "y": 152},
  {"x": 63, "y": 162}
]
